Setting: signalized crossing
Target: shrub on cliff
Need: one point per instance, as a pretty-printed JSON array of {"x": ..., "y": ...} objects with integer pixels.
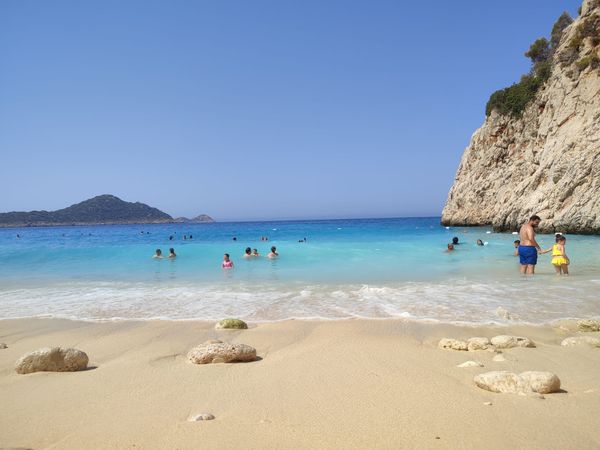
[
  {"x": 557, "y": 29},
  {"x": 513, "y": 100}
]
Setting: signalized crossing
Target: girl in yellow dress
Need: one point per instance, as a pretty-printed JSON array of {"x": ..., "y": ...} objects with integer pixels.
[{"x": 560, "y": 260}]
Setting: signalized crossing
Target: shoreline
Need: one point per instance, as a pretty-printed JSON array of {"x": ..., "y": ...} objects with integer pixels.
[{"x": 352, "y": 383}]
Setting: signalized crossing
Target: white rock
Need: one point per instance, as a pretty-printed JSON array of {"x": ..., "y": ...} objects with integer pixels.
[
  {"x": 3, "y": 345},
  {"x": 505, "y": 341},
  {"x": 499, "y": 381},
  {"x": 202, "y": 416},
  {"x": 478, "y": 343},
  {"x": 540, "y": 382},
  {"x": 581, "y": 340},
  {"x": 524, "y": 383},
  {"x": 487, "y": 403},
  {"x": 470, "y": 364},
  {"x": 452, "y": 344},
  {"x": 55, "y": 359},
  {"x": 221, "y": 352}
]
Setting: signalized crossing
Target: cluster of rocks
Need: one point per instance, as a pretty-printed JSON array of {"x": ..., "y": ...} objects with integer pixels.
[
  {"x": 483, "y": 343},
  {"x": 534, "y": 383},
  {"x": 59, "y": 359},
  {"x": 585, "y": 326}
]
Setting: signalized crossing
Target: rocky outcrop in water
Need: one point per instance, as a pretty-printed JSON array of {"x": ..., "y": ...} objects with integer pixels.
[{"x": 544, "y": 160}]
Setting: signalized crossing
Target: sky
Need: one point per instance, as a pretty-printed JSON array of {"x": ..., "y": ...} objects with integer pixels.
[{"x": 252, "y": 110}]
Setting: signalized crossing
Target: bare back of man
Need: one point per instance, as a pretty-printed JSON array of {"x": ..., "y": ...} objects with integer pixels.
[{"x": 528, "y": 248}]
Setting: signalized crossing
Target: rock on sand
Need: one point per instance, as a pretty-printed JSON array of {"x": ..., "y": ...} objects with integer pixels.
[
  {"x": 221, "y": 352},
  {"x": 589, "y": 325},
  {"x": 198, "y": 417},
  {"x": 55, "y": 359},
  {"x": 581, "y": 340},
  {"x": 236, "y": 324},
  {"x": 505, "y": 341},
  {"x": 478, "y": 343},
  {"x": 470, "y": 364},
  {"x": 3, "y": 345},
  {"x": 452, "y": 344},
  {"x": 511, "y": 383}
]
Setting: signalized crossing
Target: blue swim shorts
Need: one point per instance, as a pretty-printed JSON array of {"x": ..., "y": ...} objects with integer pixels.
[{"x": 527, "y": 255}]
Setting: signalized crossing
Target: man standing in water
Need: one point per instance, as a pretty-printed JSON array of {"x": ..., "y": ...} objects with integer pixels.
[{"x": 528, "y": 248}]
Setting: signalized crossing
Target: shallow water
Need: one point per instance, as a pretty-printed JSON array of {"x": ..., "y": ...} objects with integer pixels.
[{"x": 347, "y": 268}]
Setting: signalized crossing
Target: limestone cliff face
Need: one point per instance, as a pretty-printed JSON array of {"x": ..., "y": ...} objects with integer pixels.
[{"x": 547, "y": 161}]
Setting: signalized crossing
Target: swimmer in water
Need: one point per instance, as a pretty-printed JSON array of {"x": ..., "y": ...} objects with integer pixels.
[
  {"x": 516, "y": 244},
  {"x": 450, "y": 248},
  {"x": 273, "y": 253},
  {"x": 255, "y": 252},
  {"x": 158, "y": 254},
  {"x": 455, "y": 241},
  {"x": 479, "y": 242},
  {"x": 172, "y": 253},
  {"x": 227, "y": 263},
  {"x": 248, "y": 252}
]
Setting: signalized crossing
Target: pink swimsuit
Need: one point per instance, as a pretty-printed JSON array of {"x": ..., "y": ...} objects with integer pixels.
[{"x": 227, "y": 265}]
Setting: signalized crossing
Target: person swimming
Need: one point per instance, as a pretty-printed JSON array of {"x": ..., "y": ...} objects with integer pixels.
[
  {"x": 227, "y": 263},
  {"x": 516, "y": 244},
  {"x": 479, "y": 242},
  {"x": 247, "y": 252},
  {"x": 450, "y": 248},
  {"x": 172, "y": 253},
  {"x": 455, "y": 241},
  {"x": 158, "y": 254},
  {"x": 255, "y": 252},
  {"x": 273, "y": 253}
]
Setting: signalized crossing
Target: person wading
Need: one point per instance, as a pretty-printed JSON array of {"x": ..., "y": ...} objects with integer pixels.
[{"x": 528, "y": 248}]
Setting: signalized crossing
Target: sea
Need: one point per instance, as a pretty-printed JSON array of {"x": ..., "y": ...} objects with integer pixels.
[{"x": 360, "y": 268}]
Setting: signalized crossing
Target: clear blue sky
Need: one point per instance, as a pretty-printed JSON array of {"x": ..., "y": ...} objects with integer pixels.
[{"x": 252, "y": 110}]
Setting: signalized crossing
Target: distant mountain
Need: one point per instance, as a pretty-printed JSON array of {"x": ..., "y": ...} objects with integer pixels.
[
  {"x": 202, "y": 218},
  {"x": 103, "y": 209}
]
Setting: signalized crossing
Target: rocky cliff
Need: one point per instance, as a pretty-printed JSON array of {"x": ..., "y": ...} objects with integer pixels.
[{"x": 546, "y": 159}]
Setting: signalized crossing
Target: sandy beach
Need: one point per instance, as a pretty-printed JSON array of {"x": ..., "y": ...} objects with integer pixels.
[{"x": 328, "y": 384}]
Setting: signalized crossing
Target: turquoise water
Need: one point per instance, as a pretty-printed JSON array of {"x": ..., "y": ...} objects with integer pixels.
[{"x": 347, "y": 268}]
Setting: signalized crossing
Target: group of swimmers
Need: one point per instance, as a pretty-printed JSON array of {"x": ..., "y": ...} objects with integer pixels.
[
  {"x": 158, "y": 253},
  {"x": 227, "y": 262},
  {"x": 248, "y": 253},
  {"x": 528, "y": 249},
  {"x": 455, "y": 242}
]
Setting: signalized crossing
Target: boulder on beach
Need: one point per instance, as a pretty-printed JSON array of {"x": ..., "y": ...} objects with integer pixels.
[
  {"x": 452, "y": 344},
  {"x": 221, "y": 352},
  {"x": 478, "y": 343},
  {"x": 510, "y": 383},
  {"x": 3, "y": 345},
  {"x": 236, "y": 324},
  {"x": 581, "y": 340},
  {"x": 588, "y": 325},
  {"x": 505, "y": 341},
  {"x": 55, "y": 359}
]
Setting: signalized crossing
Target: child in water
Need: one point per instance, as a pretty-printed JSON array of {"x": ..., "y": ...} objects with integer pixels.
[
  {"x": 158, "y": 254},
  {"x": 172, "y": 253},
  {"x": 227, "y": 263},
  {"x": 560, "y": 260}
]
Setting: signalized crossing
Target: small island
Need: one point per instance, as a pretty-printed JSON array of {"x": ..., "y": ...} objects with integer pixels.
[{"x": 101, "y": 210}]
